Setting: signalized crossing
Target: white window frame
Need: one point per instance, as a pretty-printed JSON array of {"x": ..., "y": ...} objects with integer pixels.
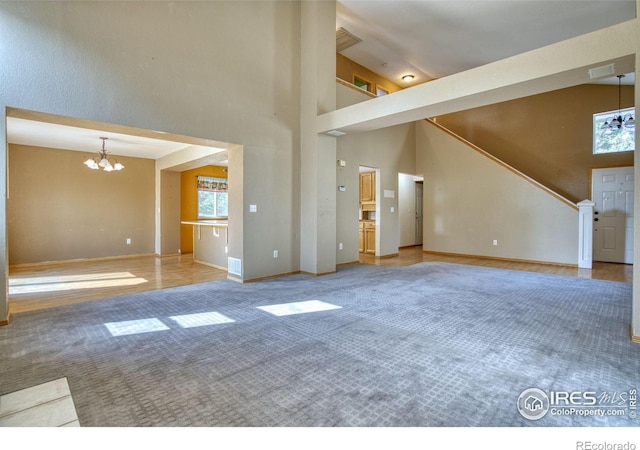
[
  {"x": 622, "y": 141},
  {"x": 217, "y": 189}
]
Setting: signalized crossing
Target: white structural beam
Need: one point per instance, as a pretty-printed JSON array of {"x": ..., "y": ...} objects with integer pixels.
[{"x": 545, "y": 69}]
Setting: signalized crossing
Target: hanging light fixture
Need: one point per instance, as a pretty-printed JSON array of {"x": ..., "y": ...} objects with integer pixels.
[
  {"x": 615, "y": 123},
  {"x": 102, "y": 160}
]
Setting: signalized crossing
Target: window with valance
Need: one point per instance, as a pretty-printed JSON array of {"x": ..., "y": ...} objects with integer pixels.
[{"x": 212, "y": 198}]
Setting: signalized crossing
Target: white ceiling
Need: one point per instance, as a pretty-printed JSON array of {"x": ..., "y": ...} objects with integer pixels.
[
  {"x": 436, "y": 38},
  {"x": 52, "y": 135},
  {"x": 49, "y": 135}
]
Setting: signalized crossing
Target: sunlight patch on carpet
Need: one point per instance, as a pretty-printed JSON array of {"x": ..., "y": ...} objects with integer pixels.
[
  {"x": 287, "y": 309},
  {"x": 201, "y": 319},
  {"x": 135, "y": 327}
]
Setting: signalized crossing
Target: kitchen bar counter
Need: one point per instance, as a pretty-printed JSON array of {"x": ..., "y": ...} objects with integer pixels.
[
  {"x": 209, "y": 223},
  {"x": 210, "y": 242}
]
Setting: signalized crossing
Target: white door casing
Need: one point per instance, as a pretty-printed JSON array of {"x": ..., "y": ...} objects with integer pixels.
[
  {"x": 612, "y": 192},
  {"x": 419, "y": 191}
]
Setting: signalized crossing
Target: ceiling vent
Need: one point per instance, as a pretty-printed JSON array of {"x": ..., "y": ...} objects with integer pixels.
[
  {"x": 344, "y": 39},
  {"x": 602, "y": 71}
]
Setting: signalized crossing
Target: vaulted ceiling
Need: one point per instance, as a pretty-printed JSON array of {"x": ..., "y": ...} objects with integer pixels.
[{"x": 436, "y": 38}]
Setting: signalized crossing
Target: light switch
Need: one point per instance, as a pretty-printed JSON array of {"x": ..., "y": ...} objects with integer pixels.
[{"x": 253, "y": 208}]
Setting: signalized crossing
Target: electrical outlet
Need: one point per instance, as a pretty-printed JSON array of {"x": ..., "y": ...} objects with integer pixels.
[
  {"x": 340, "y": 246},
  {"x": 275, "y": 253},
  {"x": 495, "y": 242},
  {"x": 128, "y": 241},
  {"x": 253, "y": 208}
]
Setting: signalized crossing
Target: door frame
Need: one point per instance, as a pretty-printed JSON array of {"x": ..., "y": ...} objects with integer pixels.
[{"x": 591, "y": 182}]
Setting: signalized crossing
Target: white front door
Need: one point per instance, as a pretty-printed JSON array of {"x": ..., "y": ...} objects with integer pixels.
[{"x": 612, "y": 192}]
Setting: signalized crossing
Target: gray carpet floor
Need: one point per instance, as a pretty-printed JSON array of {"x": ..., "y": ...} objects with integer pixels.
[{"x": 420, "y": 346}]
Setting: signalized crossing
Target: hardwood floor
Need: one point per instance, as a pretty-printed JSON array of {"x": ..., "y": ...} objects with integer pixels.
[
  {"x": 47, "y": 286},
  {"x": 414, "y": 255}
]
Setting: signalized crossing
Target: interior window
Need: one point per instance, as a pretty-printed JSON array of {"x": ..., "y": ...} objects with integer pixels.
[
  {"x": 361, "y": 83},
  {"x": 380, "y": 91}
]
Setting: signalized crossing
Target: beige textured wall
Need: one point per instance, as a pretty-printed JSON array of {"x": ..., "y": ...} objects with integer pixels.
[
  {"x": 317, "y": 193},
  {"x": 392, "y": 150},
  {"x": 182, "y": 68},
  {"x": 470, "y": 200},
  {"x": 546, "y": 136},
  {"x": 58, "y": 209},
  {"x": 170, "y": 219}
]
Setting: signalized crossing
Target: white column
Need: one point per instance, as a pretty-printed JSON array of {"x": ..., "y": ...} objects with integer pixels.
[
  {"x": 635, "y": 306},
  {"x": 4, "y": 255},
  {"x": 585, "y": 234}
]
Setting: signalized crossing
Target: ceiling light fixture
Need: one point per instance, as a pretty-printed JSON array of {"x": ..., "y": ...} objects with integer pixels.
[
  {"x": 407, "y": 78},
  {"x": 102, "y": 160},
  {"x": 615, "y": 123}
]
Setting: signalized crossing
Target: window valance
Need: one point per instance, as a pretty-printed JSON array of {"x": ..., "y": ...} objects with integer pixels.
[{"x": 212, "y": 184}]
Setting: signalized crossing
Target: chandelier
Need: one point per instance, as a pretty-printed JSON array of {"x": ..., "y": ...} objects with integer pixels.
[
  {"x": 615, "y": 123},
  {"x": 102, "y": 160}
]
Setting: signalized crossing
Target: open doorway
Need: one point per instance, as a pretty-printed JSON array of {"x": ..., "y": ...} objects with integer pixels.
[
  {"x": 410, "y": 201},
  {"x": 96, "y": 213}
]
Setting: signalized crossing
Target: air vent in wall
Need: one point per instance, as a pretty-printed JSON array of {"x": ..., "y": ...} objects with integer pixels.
[
  {"x": 602, "y": 71},
  {"x": 234, "y": 266},
  {"x": 344, "y": 39}
]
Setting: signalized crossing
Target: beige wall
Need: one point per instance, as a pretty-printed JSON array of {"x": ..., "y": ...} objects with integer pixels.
[
  {"x": 546, "y": 136},
  {"x": 58, "y": 209},
  {"x": 471, "y": 200},
  {"x": 170, "y": 219},
  {"x": 182, "y": 68},
  {"x": 390, "y": 150},
  {"x": 317, "y": 176}
]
